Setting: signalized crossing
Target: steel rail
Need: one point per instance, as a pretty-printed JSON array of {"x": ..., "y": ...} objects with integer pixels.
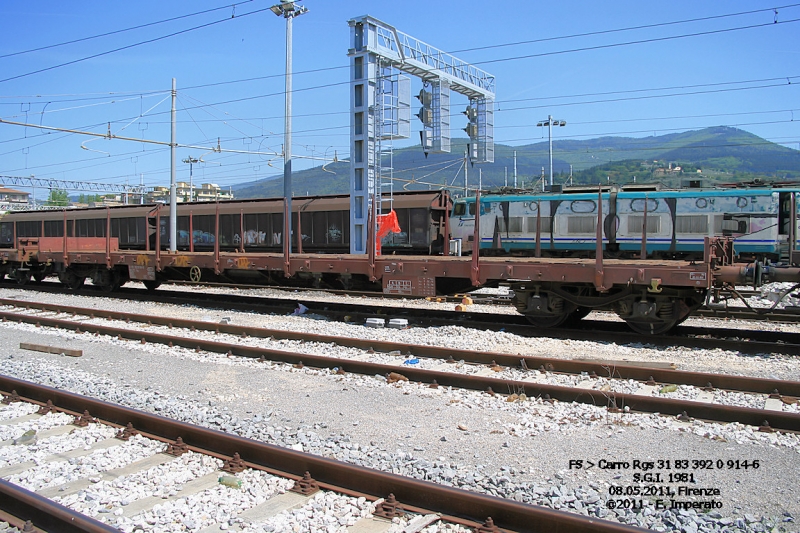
[
  {"x": 670, "y": 406},
  {"x": 615, "y": 370},
  {"x": 329, "y": 473},
  {"x": 601, "y": 331},
  {"x": 597, "y": 330},
  {"x": 44, "y": 513}
]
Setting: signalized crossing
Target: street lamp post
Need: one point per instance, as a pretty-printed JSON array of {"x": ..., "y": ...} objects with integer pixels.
[
  {"x": 550, "y": 122},
  {"x": 191, "y": 160},
  {"x": 288, "y": 10}
]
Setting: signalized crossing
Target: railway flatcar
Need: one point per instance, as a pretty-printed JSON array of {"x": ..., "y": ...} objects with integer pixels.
[
  {"x": 758, "y": 219},
  {"x": 321, "y": 224}
]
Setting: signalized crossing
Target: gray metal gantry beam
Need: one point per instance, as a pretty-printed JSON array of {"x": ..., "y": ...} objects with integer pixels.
[
  {"x": 69, "y": 185},
  {"x": 376, "y": 47}
]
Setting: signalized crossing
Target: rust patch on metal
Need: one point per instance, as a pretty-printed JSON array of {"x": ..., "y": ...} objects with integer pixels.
[
  {"x": 305, "y": 486},
  {"x": 46, "y": 408},
  {"x": 177, "y": 448},
  {"x": 11, "y": 398},
  {"x": 84, "y": 420},
  {"x": 389, "y": 508},
  {"x": 487, "y": 527},
  {"x": 765, "y": 427},
  {"x": 234, "y": 465},
  {"x": 127, "y": 432}
]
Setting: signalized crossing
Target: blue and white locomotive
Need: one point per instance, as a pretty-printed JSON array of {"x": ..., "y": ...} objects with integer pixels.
[{"x": 758, "y": 218}]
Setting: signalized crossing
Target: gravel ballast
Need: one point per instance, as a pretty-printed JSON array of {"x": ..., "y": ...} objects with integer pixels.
[{"x": 520, "y": 450}]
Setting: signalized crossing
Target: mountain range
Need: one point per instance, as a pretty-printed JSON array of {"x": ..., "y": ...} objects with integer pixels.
[{"x": 718, "y": 154}]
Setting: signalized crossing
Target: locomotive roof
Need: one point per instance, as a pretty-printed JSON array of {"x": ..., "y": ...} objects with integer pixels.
[{"x": 630, "y": 192}]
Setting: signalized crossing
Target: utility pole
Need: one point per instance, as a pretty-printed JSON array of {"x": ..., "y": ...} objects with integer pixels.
[{"x": 173, "y": 201}]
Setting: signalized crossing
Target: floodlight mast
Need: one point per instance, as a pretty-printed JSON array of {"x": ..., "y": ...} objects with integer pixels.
[
  {"x": 288, "y": 10},
  {"x": 173, "y": 190},
  {"x": 550, "y": 122}
]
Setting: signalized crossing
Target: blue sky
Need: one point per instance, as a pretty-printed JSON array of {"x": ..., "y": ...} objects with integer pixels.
[{"x": 669, "y": 80}]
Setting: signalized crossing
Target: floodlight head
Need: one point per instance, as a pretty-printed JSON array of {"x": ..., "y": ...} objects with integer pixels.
[
  {"x": 288, "y": 9},
  {"x": 540, "y": 124},
  {"x": 562, "y": 123}
]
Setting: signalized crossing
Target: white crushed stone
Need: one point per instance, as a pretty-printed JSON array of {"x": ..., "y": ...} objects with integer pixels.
[
  {"x": 56, "y": 473},
  {"x": 465, "y": 439}
]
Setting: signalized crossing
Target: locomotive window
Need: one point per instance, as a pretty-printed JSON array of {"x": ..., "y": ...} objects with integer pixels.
[
  {"x": 691, "y": 224},
  {"x": 472, "y": 209},
  {"x": 53, "y": 228},
  {"x": 515, "y": 224},
  {"x": 545, "y": 224},
  {"x": 460, "y": 209},
  {"x": 581, "y": 225},
  {"x": 32, "y": 228},
  {"x": 738, "y": 224},
  {"x": 6, "y": 233},
  {"x": 635, "y": 224}
]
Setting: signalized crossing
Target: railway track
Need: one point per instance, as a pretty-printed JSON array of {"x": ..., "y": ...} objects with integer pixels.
[
  {"x": 785, "y": 315},
  {"x": 757, "y": 342},
  {"x": 233, "y": 466},
  {"x": 788, "y": 314},
  {"x": 590, "y": 382}
]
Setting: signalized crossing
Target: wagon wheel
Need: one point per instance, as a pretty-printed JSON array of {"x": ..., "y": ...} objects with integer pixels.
[
  {"x": 151, "y": 284},
  {"x": 195, "y": 274},
  {"x": 39, "y": 276},
  {"x": 23, "y": 277},
  {"x": 108, "y": 280},
  {"x": 579, "y": 314},
  {"x": 72, "y": 280}
]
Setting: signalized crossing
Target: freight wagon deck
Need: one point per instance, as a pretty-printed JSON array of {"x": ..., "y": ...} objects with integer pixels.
[{"x": 650, "y": 295}]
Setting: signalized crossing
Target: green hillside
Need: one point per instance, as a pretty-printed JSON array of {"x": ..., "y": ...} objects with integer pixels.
[{"x": 720, "y": 154}]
